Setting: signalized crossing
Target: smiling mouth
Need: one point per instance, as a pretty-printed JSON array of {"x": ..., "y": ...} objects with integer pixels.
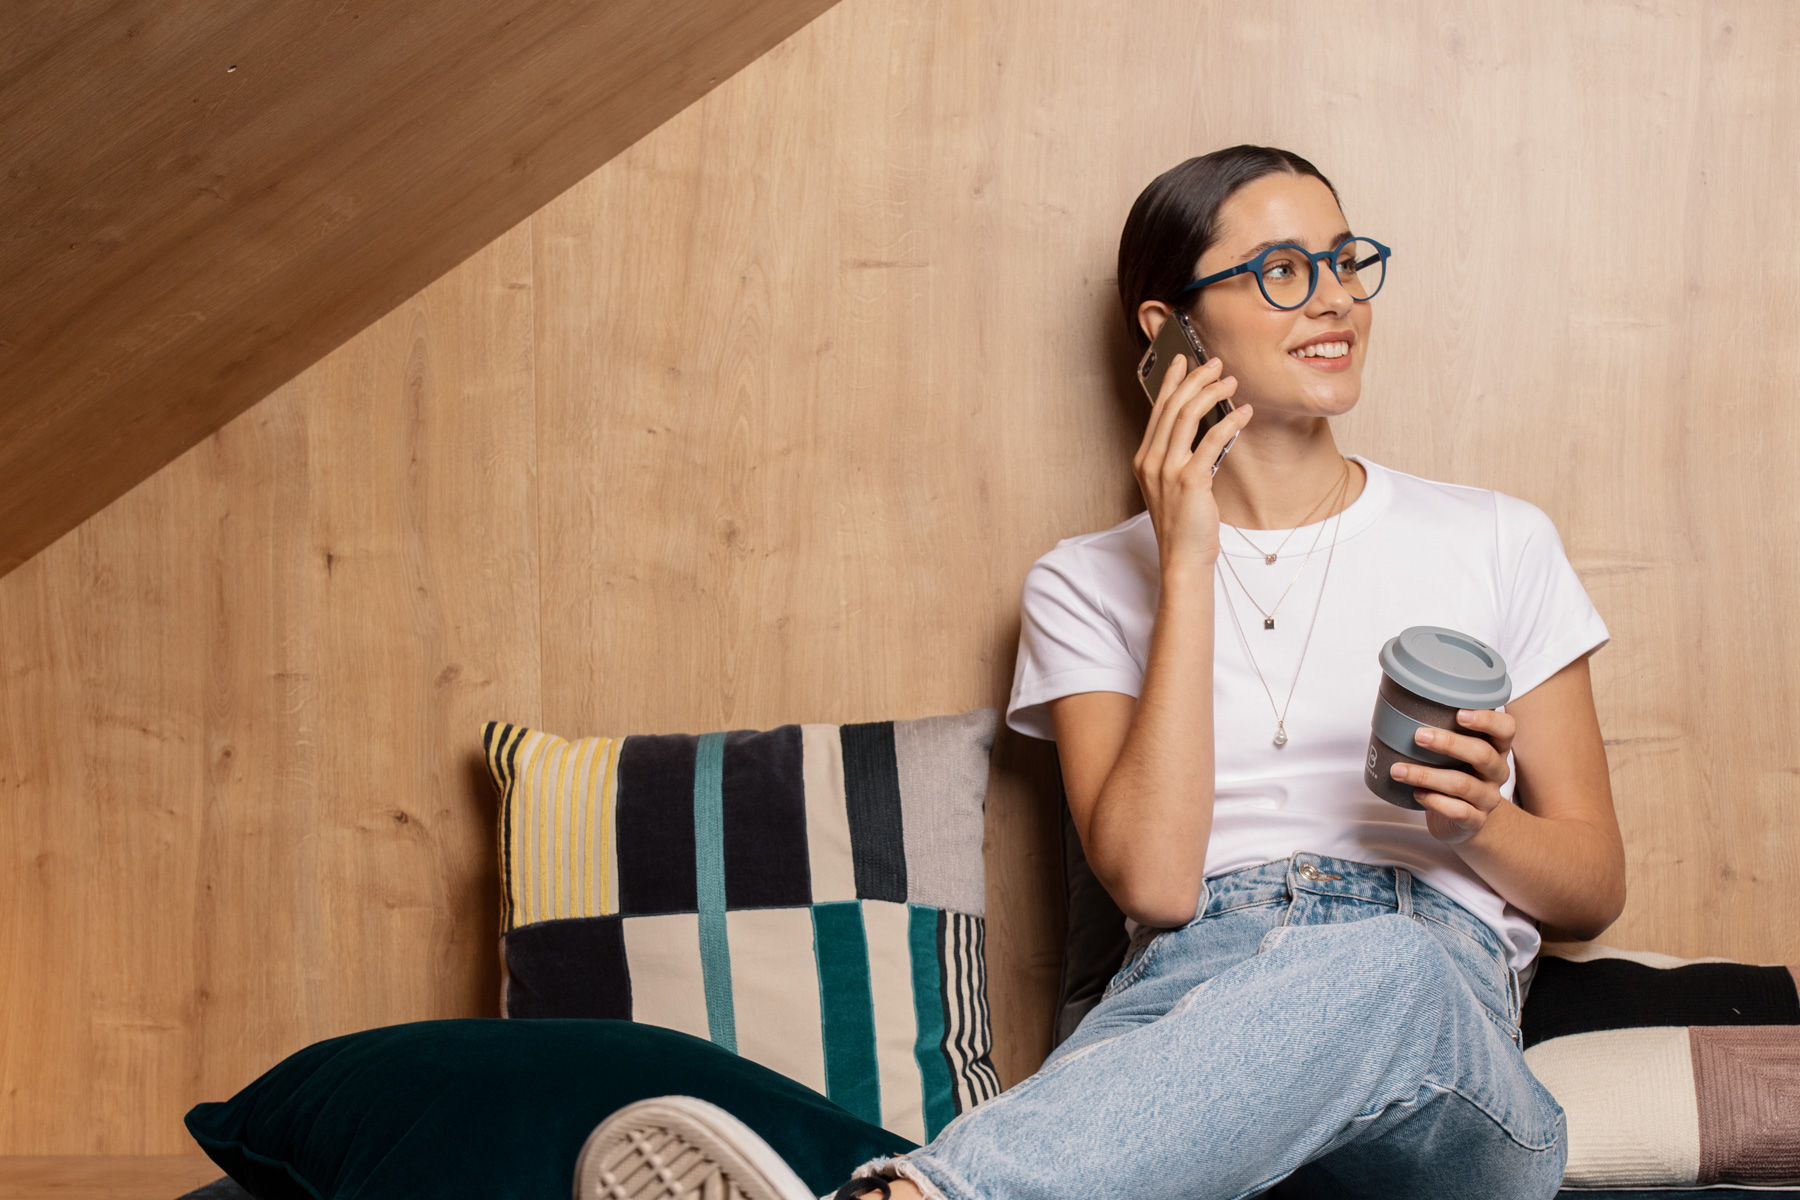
[{"x": 1321, "y": 350}]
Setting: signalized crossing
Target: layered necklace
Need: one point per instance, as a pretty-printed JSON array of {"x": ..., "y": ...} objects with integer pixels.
[
  {"x": 1281, "y": 710},
  {"x": 1270, "y": 555}
]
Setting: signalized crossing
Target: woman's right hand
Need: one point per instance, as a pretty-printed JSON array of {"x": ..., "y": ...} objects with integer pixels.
[{"x": 1176, "y": 480}]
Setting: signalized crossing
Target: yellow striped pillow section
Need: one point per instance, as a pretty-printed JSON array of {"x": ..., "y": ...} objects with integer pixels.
[{"x": 558, "y": 820}]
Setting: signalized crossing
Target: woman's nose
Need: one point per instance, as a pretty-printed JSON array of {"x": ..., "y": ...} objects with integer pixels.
[{"x": 1331, "y": 295}]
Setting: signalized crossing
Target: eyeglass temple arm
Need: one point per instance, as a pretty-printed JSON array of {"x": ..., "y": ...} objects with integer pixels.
[{"x": 1220, "y": 276}]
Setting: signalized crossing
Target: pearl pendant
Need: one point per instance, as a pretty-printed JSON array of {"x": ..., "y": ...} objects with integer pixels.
[{"x": 1281, "y": 735}]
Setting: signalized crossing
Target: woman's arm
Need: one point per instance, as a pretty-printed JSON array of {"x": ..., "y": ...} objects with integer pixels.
[
  {"x": 1139, "y": 775},
  {"x": 1558, "y": 856}
]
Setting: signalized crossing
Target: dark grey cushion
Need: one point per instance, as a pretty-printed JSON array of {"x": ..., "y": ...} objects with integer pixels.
[{"x": 1096, "y": 941}]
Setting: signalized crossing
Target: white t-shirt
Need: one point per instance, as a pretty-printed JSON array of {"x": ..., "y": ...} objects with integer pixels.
[{"x": 1409, "y": 551}]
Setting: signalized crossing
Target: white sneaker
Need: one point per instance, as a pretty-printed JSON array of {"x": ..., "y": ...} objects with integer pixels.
[{"x": 681, "y": 1148}]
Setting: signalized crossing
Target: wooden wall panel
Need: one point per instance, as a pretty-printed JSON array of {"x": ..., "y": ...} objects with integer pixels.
[
  {"x": 203, "y": 198},
  {"x": 765, "y": 420},
  {"x": 780, "y": 494},
  {"x": 237, "y": 726}
]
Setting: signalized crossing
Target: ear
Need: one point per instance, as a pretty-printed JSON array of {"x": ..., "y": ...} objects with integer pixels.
[{"x": 1151, "y": 314}]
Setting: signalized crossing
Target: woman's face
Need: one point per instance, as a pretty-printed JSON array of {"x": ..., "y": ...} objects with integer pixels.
[{"x": 1262, "y": 345}]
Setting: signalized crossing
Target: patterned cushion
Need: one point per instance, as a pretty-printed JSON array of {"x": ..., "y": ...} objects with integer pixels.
[
  {"x": 809, "y": 897},
  {"x": 1672, "y": 1071}
]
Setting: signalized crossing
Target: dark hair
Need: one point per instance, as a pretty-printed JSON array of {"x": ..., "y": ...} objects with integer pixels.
[{"x": 1176, "y": 219}]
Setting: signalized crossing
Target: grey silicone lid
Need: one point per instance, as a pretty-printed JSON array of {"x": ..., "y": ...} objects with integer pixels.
[{"x": 1448, "y": 667}]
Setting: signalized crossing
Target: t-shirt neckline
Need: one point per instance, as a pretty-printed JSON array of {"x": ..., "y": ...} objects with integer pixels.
[{"x": 1377, "y": 490}]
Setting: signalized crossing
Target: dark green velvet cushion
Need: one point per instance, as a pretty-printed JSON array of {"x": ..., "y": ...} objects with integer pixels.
[{"x": 492, "y": 1108}]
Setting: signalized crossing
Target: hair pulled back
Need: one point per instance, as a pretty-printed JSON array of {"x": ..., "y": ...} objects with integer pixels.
[{"x": 1176, "y": 219}]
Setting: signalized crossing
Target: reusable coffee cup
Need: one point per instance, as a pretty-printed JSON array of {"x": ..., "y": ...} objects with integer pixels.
[{"x": 1427, "y": 673}]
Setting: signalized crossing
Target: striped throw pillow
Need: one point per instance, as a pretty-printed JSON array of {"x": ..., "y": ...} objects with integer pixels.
[
  {"x": 810, "y": 897},
  {"x": 1672, "y": 1071}
]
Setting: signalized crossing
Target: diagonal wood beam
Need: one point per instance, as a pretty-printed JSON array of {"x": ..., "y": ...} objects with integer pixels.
[{"x": 201, "y": 198}]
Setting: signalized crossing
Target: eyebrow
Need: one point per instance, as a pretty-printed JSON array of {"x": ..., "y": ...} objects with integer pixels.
[{"x": 1289, "y": 241}]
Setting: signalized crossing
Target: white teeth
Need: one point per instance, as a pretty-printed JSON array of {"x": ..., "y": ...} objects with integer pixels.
[{"x": 1322, "y": 350}]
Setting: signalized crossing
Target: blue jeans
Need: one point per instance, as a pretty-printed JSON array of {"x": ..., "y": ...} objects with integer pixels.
[{"x": 1341, "y": 1029}]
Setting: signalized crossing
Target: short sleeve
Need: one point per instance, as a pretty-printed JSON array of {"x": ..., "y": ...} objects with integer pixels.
[
  {"x": 1068, "y": 643},
  {"x": 1548, "y": 620}
]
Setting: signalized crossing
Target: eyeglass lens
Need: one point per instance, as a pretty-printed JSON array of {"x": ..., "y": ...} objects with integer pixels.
[{"x": 1289, "y": 277}]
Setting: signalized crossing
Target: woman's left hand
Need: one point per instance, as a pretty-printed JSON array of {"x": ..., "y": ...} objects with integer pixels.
[{"x": 1457, "y": 803}]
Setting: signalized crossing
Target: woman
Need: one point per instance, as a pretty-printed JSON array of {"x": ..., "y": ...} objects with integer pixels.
[{"x": 1323, "y": 988}]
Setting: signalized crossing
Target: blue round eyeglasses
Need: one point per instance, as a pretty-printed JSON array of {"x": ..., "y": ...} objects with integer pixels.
[{"x": 1289, "y": 275}]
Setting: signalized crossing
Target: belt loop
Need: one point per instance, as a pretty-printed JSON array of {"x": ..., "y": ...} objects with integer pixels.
[
  {"x": 1403, "y": 891},
  {"x": 1293, "y": 889}
]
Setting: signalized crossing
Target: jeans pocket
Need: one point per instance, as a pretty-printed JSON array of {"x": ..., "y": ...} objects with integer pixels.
[
  {"x": 1137, "y": 960},
  {"x": 1515, "y": 998},
  {"x": 1494, "y": 983},
  {"x": 1146, "y": 940}
]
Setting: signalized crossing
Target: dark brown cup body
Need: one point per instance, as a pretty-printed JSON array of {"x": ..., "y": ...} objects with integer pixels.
[{"x": 1382, "y": 757}]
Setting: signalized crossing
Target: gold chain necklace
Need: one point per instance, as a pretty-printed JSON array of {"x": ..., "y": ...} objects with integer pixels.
[
  {"x": 1281, "y": 736},
  {"x": 1268, "y": 557},
  {"x": 1269, "y": 616}
]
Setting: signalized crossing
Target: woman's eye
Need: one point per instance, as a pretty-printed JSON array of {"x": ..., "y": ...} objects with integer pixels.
[{"x": 1278, "y": 270}]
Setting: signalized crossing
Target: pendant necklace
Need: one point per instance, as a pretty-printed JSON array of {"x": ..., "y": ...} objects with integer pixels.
[
  {"x": 1270, "y": 556},
  {"x": 1269, "y": 615},
  {"x": 1281, "y": 736}
]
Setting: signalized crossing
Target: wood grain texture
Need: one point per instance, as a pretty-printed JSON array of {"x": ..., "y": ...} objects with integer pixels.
[
  {"x": 103, "y": 1177},
  {"x": 766, "y": 419},
  {"x": 238, "y": 722},
  {"x": 202, "y": 199}
]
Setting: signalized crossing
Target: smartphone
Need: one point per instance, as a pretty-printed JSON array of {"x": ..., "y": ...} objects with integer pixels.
[{"x": 1177, "y": 337}]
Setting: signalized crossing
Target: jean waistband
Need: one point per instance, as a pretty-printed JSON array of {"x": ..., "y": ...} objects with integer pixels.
[{"x": 1322, "y": 875}]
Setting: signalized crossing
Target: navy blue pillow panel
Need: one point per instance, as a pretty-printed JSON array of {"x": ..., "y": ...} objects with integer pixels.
[
  {"x": 1677, "y": 1194},
  {"x": 1569, "y": 997}
]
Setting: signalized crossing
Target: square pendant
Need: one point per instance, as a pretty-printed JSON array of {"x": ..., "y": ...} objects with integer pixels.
[
  {"x": 1269, "y": 559},
  {"x": 1268, "y": 622}
]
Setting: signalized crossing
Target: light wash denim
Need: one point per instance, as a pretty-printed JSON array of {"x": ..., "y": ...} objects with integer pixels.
[{"x": 1342, "y": 1029}]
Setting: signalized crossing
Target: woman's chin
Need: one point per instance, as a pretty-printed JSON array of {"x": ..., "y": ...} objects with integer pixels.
[
  {"x": 1333, "y": 395},
  {"x": 1309, "y": 404},
  {"x": 1339, "y": 403}
]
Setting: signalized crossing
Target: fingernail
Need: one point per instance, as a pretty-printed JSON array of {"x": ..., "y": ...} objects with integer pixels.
[
  {"x": 1464, "y": 715},
  {"x": 1424, "y": 737},
  {"x": 1399, "y": 770}
]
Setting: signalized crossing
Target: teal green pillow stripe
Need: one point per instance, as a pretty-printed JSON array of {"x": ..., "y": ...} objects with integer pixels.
[
  {"x": 847, "y": 1009},
  {"x": 939, "y": 1090},
  {"x": 440, "y": 1110},
  {"x": 709, "y": 883}
]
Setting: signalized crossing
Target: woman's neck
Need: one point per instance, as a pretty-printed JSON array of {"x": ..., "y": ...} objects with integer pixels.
[{"x": 1283, "y": 476}]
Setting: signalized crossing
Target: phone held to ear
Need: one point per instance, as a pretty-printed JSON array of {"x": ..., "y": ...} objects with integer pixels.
[{"x": 1177, "y": 337}]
